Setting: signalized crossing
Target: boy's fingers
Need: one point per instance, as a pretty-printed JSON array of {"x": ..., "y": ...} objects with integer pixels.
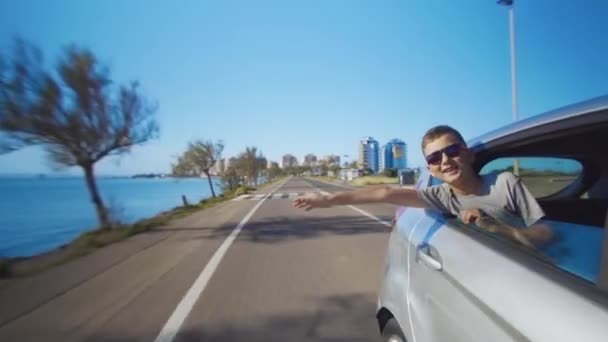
[
  {"x": 472, "y": 217},
  {"x": 464, "y": 216}
]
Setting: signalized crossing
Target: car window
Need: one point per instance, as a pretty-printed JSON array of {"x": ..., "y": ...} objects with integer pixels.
[
  {"x": 435, "y": 181},
  {"x": 576, "y": 222},
  {"x": 543, "y": 176}
]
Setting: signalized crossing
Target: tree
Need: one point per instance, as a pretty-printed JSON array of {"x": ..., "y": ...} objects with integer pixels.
[
  {"x": 201, "y": 156},
  {"x": 274, "y": 170},
  {"x": 75, "y": 113},
  {"x": 334, "y": 168},
  {"x": 324, "y": 168},
  {"x": 181, "y": 168},
  {"x": 289, "y": 170},
  {"x": 262, "y": 166},
  {"x": 390, "y": 172},
  {"x": 230, "y": 178},
  {"x": 250, "y": 164}
]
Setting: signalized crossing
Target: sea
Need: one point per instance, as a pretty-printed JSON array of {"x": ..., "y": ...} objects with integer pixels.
[{"x": 41, "y": 213}]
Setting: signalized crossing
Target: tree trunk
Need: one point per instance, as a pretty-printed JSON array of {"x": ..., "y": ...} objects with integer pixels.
[
  {"x": 102, "y": 212},
  {"x": 210, "y": 182}
]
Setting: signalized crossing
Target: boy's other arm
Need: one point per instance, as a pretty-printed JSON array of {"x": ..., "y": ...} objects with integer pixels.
[
  {"x": 406, "y": 196},
  {"x": 534, "y": 236}
]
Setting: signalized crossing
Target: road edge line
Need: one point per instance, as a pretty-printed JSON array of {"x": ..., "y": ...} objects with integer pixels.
[{"x": 183, "y": 309}]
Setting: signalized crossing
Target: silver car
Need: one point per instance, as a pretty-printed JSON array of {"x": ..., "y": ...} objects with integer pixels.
[{"x": 447, "y": 281}]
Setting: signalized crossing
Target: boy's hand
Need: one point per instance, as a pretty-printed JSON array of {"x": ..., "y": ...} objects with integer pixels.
[
  {"x": 474, "y": 216},
  {"x": 492, "y": 226},
  {"x": 311, "y": 201},
  {"x": 470, "y": 215}
]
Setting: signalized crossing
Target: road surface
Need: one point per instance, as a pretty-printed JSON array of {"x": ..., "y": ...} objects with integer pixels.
[{"x": 284, "y": 274}]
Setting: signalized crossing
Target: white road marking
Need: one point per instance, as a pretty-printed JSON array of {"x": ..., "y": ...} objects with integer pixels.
[
  {"x": 282, "y": 195},
  {"x": 388, "y": 224},
  {"x": 359, "y": 210},
  {"x": 171, "y": 328},
  {"x": 336, "y": 184}
]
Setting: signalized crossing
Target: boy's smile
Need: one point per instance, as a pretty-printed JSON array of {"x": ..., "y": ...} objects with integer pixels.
[{"x": 447, "y": 158}]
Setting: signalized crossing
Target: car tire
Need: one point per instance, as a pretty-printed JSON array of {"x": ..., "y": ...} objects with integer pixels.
[{"x": 392, "y": 332}]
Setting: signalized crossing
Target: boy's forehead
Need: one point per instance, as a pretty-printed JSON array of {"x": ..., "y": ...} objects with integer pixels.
[{"x": 440, "y": 142}]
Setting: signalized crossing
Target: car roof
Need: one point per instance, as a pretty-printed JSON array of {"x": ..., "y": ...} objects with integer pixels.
[{"x": 580, "y": 109}]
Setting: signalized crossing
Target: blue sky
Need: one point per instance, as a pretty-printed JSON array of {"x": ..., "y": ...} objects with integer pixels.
[{"x": 316, "y": 76}]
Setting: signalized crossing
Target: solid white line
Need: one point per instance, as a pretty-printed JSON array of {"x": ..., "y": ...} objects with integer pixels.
[
  {"x": 258, "y": 197},
  {"x": 336, "y": 184},
  {"x": 388, "y": 224},
  {"x": 359, "y": 210},
  {"x": 171, "y": 328}
]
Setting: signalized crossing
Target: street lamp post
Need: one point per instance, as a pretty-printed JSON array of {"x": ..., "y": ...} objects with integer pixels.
[{"x": 514, "y": 109}]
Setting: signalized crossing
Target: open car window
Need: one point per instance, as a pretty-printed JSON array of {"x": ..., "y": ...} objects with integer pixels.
[
  {"x": 543, "y": 176},
  {"x": 577, "y": 222}
]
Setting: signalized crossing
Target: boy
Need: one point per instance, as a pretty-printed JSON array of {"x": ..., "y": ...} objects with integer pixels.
[{"x": 499, "y": 203}]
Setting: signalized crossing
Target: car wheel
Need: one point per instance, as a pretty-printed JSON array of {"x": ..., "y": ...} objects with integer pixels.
[{"x": 392, "y": 332}]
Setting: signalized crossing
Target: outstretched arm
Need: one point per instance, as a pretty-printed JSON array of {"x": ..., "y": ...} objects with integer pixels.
[{"x": 407, "y": 196}]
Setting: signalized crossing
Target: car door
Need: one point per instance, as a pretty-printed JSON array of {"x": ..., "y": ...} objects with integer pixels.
[
  {"x": 443, "y": 306},
  {"x": 468, "y": 286}
]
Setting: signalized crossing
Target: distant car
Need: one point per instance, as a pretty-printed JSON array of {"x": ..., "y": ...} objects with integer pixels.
[{"x": 447, "y": 281}]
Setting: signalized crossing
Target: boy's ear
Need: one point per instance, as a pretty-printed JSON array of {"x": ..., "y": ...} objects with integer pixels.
[{"x": 470, "y": 154}]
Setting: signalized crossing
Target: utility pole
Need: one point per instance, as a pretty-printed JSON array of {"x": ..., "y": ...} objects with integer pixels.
[{"x": 509, "y": 4}]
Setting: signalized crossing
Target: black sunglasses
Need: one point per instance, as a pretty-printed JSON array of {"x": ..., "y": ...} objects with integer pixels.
[{"x": 451, "y": 151}]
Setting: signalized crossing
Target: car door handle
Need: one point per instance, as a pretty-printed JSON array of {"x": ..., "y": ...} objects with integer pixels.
[{"x": 423, "y": 253}]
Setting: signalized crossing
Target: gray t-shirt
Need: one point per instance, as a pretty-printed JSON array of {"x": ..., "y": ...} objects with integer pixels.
[{"x": 504, "y": 197}]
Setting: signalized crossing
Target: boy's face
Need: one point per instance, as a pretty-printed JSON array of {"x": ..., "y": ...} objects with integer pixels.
[{"x": 448, "y": 159}]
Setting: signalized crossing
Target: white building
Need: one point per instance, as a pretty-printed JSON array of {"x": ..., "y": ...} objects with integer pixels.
[{"x": 350, "y": 174}]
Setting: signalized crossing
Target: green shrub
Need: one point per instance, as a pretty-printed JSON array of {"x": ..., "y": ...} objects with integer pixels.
[{"x": 241, "y": 190}]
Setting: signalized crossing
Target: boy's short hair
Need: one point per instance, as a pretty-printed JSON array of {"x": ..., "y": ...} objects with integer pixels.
[{"x": 437, "y": 132}]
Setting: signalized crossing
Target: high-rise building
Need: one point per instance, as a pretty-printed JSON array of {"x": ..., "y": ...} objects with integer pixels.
[
  {"x": 394, "y": 155},
  {"x": 332, "y": 159},
  {"x": 369, "y": 154},
  {"x": 310, "y": 160},
  {"x": 289, "y": 161}
]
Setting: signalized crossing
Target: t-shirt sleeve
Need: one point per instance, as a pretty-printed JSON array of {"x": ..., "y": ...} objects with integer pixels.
[
  {"x": 525, "y": 203},
  {"x": 436, "y": 197}
]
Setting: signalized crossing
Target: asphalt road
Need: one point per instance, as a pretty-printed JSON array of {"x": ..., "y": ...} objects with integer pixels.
[{"x": 288, "y": 275}]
